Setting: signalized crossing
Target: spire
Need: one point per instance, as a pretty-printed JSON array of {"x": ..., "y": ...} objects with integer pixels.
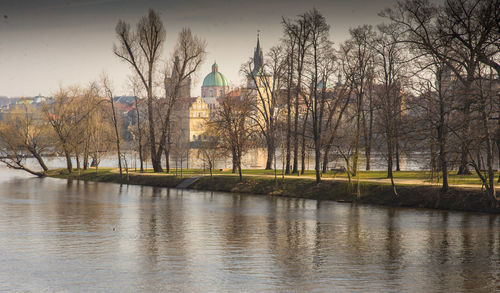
[
  {"x": 257, "y": 56},
  {"x": 258, "y": 40},
  {"x": 175, "y": 69},
  {"x": 215, "y": 67}
]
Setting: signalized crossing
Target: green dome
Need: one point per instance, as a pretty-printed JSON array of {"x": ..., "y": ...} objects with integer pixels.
[{"x": 215, "y": 78}]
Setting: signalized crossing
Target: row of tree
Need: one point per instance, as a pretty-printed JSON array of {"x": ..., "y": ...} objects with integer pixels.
[
  {"x": 79, "y": 123},
  {"x": 424, "y": 81}
]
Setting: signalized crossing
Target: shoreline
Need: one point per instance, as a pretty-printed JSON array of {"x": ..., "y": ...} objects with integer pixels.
[{"x": 374, "y": 193}]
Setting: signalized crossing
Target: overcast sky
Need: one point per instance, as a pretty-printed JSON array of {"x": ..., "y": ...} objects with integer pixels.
[{"x": 48, "y": 43}]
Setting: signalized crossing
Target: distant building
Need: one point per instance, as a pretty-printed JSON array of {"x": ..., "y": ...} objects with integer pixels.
[
  {"x": 214, "y": 86},
  {"x": 25, "y": 101}
]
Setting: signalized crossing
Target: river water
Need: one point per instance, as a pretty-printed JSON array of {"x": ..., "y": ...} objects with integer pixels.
[{"x": 63, "y": 236}]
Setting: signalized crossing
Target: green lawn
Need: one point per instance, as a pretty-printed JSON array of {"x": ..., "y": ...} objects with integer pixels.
[{"x": 453, "y": 178}]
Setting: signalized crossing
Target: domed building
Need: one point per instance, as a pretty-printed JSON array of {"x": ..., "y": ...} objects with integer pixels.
[{"x": 214, "y": 86}]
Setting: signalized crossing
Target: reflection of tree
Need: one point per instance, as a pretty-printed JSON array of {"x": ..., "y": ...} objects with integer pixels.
[
  {"x": 237, "y": 229},
  {"x": 162, "y": 226},
  {"x": 290, "y": 238},
  {"x": 394, "y": 256}
]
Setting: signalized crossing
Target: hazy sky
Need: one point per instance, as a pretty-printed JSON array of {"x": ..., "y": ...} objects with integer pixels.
[{"x": 48, "y": 43}]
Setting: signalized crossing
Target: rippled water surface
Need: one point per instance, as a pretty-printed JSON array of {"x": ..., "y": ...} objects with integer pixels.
[{"x": 76, "y": 236}]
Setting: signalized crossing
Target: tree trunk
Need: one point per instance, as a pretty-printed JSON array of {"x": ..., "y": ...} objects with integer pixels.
[
  {"x": 442, "y": 157},
  {"x": 303, "y": 156},
  {"x": 69, "y": 164},
  {"x": 489, "y": 159},
  {"x": 390, "y": 154},
  {"x": 270, "y": 153},
  {"x": 167, "y": 160},
  {"x": 19, "y": 166},
  {"x": 368, "y": 156},
  {"x": 167, "y": 147},
  {"x": 498, "y": 148},
  {"x": 77, "y": 157},
  {"x": 40, "y": 160},
  {"x": 398, "y": 167},
  {"x": 117, "y": 135},
  {"x": 303, "y": 149},
  {"x": 369, "y": 134},
  {"x": 234, "y": 161},
  {"x": 325, "y": 159},
  {"x": 464, "y": 158},
  {"x": 238, "y": 164},
  {"x": 296, "y": 136},
  {"x": 155, "y": 161},
  {"x": 317, "y": 159},
  {"x": 139, "y": 134},
  {"x": 288, "y": 135},
  {"x": 85, "y": 161}
]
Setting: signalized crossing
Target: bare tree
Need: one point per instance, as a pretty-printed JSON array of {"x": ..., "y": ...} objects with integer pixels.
[
  {"x": 106, "y": 85},
  {"x": 290, "y": 55},
  {"x": 458, "y": 35},
  {"x": 268, "y": 81},
  {"x": 298, "y": 30},
  {"x": 368, "y": 116},
  {"x": 66, "y": 115},
  {"x": 322, "y": 57},
  {"x": 189, "y": 54},
  {"x": 210, "y": 150},
  {"x": 389, "y": 58},
  {"x": 357, "y": 61},
  {"x": 233, "y": 122},
  {"x": 486, "y": 95},
  {"x": 338, "y": 101},
  {"x": 24, "y": 133},
  {"x": 138, "y": 131},
  {"x": 100, "y": 131},
  {"x": 436, "y": 100},
  {"x": 180, "y": 147},
  {"x": 141, "y": 49}
]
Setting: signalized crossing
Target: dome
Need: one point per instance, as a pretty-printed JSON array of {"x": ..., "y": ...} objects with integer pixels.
[{"x": 215, "y": 78}]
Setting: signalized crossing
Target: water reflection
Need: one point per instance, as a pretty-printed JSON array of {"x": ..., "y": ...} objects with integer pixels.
[{"x": 60, "y": 235}]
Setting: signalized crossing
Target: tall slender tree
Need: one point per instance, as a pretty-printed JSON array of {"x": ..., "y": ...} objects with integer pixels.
[{"x": 141, "y": 49}]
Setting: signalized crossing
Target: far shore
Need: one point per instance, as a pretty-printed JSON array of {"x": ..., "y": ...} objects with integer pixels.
[{"x": 413, "y": 189}]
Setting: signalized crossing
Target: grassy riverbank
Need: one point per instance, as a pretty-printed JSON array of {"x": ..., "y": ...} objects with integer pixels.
[
  {"x": 426, "y": 196},
  {"x": 425, "y": 176}
]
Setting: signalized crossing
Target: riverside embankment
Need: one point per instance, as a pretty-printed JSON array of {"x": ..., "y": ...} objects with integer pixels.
[{"x": 378, "y": 193}]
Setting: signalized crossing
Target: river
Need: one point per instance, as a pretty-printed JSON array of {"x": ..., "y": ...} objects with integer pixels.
[{"x": 63, "y": 236}]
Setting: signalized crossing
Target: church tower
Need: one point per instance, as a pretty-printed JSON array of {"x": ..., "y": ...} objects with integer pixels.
[
  {"x": 258, "y": 61},
  {"x": 184, "y": 90}
]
